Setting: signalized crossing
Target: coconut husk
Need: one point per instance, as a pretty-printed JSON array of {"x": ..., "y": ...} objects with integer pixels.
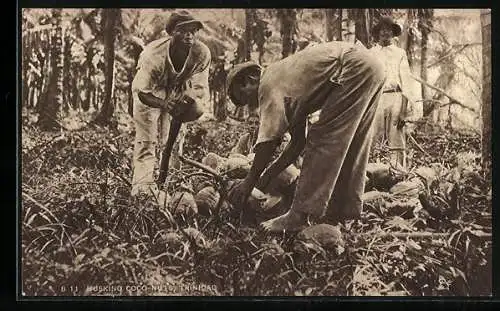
[
  {"x": 409, "y": 188},
  {"x": 429, "y": 175},
  {"x": 319, "y": 238},
  {"x": 379, "y": 176},
  {"x": 213, "y": 160},
  {"x": 280, "y": 184},
  {"x": 244, "y": 145},
  {"x": 183, "y": 203},
  {"x": 207, "y": 199},
  {"x": 235, "y": 167}
]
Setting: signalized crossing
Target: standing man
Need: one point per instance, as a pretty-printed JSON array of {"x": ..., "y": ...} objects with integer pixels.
[
  {"x": 169, "y": 69},
  {"x": 344, "y": 81},
  {"x": 399, "y": 86}
]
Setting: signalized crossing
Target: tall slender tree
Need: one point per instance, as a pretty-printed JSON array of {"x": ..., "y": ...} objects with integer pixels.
[
  {"x": 250, "y": 18},
  {"x": 425, "y": 28},
  {"x": 110, "y": 20},
  {"x": 486, "y": 95},
  {"x": 362, "y": 20},
  {"x": 410, "y": 36},
  {"x": 52, "y": 99},
  {"x": 288, "y": 19},
  {"x": 333, "y": 24}
]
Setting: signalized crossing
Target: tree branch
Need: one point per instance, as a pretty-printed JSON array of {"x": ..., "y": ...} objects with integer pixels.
[
  {"x": 448, "y": 54},
  {"x": 453, "y": 99}
]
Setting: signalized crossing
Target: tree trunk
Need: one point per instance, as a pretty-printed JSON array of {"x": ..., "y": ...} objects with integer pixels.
[
  {"x": 447, "y": 73},
  {"x": 425, "y": 26},
  {"x": 88, "y": 85},
  {"x": 348, "y": 26},
  {"x": 486, "y": 92},
  {"x": 288, "y": 29},
  {"x": 333, "y": 24},
  {"x": 409, "y": 37},
  {"x": 52, "y": 99},
  {"x": 250, "y": 15},
  {"x": 362, "y": 21},
  {"x": 68, "y": 74},
  {"x": 220, "y": 106},
  {"x": 109, "y": 19},
  {"x": 25, "y": 65}
]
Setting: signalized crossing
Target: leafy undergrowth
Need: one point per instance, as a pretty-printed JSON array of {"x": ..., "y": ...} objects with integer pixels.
[{"x": 82, "y": 234}]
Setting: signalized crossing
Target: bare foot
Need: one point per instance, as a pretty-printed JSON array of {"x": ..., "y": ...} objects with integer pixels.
[{"x": 288, "y": 222}]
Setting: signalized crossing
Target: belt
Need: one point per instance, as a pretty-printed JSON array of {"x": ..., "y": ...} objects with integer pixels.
[{"x": 395, "y": 90}]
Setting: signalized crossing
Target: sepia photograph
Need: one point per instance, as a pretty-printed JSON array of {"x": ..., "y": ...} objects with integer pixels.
[{"x": 255, "y": 152}]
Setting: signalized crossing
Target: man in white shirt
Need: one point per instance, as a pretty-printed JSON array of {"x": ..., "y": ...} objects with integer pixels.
[
  {"x": 168, "y": 68},
  {"x": 399, "y": 84},
  {"x": 344, "y": 81}
]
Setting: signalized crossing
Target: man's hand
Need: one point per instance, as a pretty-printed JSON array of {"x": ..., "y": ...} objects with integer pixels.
[
  {"x": 180, "y": 107},
  {"x": 240, "y": 192},
  {"x": 408, "y": 118},
  {"x": 176, "y": 107},
  {"x": 400, "y": 123}
]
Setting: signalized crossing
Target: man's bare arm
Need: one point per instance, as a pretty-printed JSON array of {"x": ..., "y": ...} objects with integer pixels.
[
  {"x": 174, "y": 108},
  {"x": 288, "y": 156},
  {"x": 152, "y": 101},
  {"x": 263, "y": 155}
]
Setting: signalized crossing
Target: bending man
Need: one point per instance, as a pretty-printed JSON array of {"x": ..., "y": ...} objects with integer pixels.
[{"x": 343, "y": 81}]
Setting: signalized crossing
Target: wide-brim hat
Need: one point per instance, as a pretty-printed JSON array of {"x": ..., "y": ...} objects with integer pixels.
[
  {"x": 233, "y": 76},
  {"x": 179, "y": 18},
  {"x": 387, "y": 21}
]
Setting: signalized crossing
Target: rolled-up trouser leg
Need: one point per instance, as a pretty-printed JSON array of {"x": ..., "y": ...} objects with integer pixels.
[
  {"x": 145, "y": 144},
  {"x": 329, "y": 139},
  {"x": 345, "y": 202}
]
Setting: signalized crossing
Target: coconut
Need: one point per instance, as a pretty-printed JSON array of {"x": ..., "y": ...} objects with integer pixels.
[
  {"x": 213, "y": 160},
  {"x": 243, "y": 146},
  {"x": 426, "y": 173},
  {"x": 171, "y": 239},
  {"x": 272, "y": 249},
  {"x": 207, "y": 199},
  {"x": 403, "y": 207},
  {"x": 279, "y": 184},
  {"x": 256, "y": 200},
  {"x": 408, "y": 188},
  {"x": 379, "y": 176},
  {"x": 183, "y": 203},
  {"x": 319, "y": 237},
  {"x": 371, "y": 196},
  {"x": 235, "y": 167},
  {"x": 198, "y": 237}
]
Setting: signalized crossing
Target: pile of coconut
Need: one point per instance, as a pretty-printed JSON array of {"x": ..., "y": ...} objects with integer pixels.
[{"x": 394, "y": 193}]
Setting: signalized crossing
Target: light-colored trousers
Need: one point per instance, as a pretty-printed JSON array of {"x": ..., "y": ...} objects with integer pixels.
[
  {"x": 151, "y": 133},
  {"x": 333, "y": 172},
  {"x": 386, "y": 127}
]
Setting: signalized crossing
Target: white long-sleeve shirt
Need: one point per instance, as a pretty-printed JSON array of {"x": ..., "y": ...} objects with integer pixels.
[{"x": 398, "y": 71}]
